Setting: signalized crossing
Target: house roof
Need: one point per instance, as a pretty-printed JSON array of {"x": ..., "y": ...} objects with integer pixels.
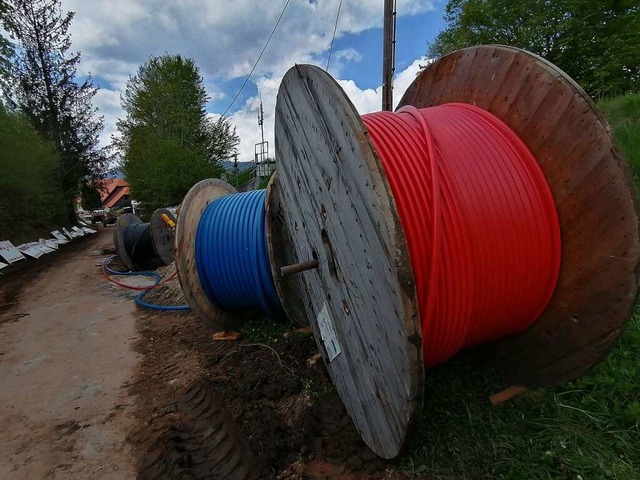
[{"x": 113, "y": 189}]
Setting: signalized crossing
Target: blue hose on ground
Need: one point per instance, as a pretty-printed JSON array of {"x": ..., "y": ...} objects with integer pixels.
[
  {"x": 154, "y": 306},
  {"x": 144, "y": 290},
  {"x": 231, "y": 254}
]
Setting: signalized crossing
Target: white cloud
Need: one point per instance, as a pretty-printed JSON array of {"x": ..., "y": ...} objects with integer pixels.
[
  {"x": 365, "y": 100},
  {"x": 108, "y": 103},
  {"x": 224, "y": 38}
]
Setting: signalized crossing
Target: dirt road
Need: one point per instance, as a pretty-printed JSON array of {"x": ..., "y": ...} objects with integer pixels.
[
  {"x": 78, "y": 402},
  {"x": 65, "y": 360}
]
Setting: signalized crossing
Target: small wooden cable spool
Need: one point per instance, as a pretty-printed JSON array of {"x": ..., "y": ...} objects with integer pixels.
[
  {"x": 193, "y": 205},
  {"x": 332, "y": 202},
  {"x": 161, "y": 236},
  {"x": 199, "y": 197}
]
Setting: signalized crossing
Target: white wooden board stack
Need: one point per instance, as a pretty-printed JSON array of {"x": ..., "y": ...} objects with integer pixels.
[
  {"x": 9, "y": 252},
  {"x": 30, "y": 250},
  {"x": 60, "y": 237},
  {"x": 52, "y": 244}
]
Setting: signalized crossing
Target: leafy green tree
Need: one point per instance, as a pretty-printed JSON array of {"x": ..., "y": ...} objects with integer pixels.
[
  {"x": 31, "y": 202},
  {"x": 39, "y": 80},
  {"x": 595, "y": 41},
  {"x": 167, "y": 140}
]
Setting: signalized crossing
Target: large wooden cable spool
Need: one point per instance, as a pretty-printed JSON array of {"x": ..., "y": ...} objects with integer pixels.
[
  {"x": 163, "y": 234},
  {"x": 122, "y": 222},
  {"x": 594, "y": 194},
  {"x": 332, "y": 202}
]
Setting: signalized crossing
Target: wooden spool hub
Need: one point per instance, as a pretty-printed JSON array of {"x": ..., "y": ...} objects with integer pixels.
[
  {"x": 163, "y": 235},
  {"x": 122, "y": 223},
  {"x": 198, "y": 198},
  {"x": 332, "y": 201}
]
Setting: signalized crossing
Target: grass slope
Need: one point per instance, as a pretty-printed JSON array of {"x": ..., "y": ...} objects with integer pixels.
[
  {"x": 586, "y": 430},
  {"x": 623, "y": 113}
]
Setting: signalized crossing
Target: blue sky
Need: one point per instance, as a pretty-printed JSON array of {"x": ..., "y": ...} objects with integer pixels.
[{"x": 226, "y": 36}]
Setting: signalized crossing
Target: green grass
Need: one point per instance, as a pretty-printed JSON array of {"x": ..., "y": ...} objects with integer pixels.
[
  {"x": 588, "y": 429},
  {"x": 265, "y": 330},
  {"x": 241, "y": 178},
  {"x": 623, "y": 113}
]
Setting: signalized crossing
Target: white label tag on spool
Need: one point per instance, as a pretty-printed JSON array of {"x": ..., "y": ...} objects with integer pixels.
[{"x": 328, "y": 333}]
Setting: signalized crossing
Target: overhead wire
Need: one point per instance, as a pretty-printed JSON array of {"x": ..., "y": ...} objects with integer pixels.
[
  {"x": 335, "y": 28},
  {"x": 246, "y": 80}
]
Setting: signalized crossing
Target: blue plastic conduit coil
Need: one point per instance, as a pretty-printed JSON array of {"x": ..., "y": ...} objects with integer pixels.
[
  {"x": 157, "y": 279},
  {"x": 231, "y": 254}
]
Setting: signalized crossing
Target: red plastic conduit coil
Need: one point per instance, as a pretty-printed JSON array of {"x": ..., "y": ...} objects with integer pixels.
[{"x": 479, "y": 219}]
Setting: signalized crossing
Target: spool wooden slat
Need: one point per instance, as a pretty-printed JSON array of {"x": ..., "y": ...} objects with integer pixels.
[
  {"x": 280, "y": 253},
  {"x": 594, "y": 194},
  {"x": 162, "y": 235},
  {"x": 193, "y": 205},
  {"x": 122, "y": 222},
  {"x": 332, "y": 202}
]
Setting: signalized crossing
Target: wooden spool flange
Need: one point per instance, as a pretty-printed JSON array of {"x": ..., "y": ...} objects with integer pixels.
[
  {"x": 594, "y": 195},
  {"x": 122, "y": 222},
  {"x": 198, "y": 198},
  {"x": 279, "y": 251},
  {"x": 163, "y": 235},
  {"x": 333, "y": 203}
]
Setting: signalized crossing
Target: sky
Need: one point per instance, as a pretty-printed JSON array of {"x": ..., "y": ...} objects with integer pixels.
[{"x": 225, "y": 37}]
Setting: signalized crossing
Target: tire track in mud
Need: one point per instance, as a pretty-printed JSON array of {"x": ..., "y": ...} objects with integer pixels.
[{"x": 182, "y": 431}]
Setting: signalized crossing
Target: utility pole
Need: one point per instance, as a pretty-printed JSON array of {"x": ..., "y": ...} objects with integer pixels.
[{"x": 388, "y": 53}]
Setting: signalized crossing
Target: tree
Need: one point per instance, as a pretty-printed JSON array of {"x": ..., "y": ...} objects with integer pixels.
[
  {"x": 30, "y": 202},
  {"x": 167, "y": 140},
  {"x": 39, "y": 80},
  {"x": 595, "y": 41}
]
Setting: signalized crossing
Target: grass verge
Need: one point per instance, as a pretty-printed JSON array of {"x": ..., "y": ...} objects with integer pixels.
[{"x": 588, "y": 429}]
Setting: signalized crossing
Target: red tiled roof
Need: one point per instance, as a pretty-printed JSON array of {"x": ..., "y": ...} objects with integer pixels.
[
  {"x": 113, "y": 189},
  {"x": 109, "y": 185},
  {"x": 118, "y": 193}
]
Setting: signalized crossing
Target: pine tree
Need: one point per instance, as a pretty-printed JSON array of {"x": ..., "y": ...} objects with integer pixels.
[{"x": 39, "y": 80}]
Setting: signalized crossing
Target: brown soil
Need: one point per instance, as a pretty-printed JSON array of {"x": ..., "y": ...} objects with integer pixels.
[
  {"x": 65, "y": 356},
  {"x": 93, "y": 387},
  {"x": 277, "y": 396}
]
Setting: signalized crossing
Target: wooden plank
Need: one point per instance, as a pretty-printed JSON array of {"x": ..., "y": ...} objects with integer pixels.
[
  {"x": 506, "y": 395},
  {"x": 595, "y": 197},
  {"x": 334, "y": 204}
]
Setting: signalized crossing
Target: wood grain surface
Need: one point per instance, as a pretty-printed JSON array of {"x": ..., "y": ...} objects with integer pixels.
[
  {"x": 332, "y": 202},
  {"x": 162, "y": 235}
]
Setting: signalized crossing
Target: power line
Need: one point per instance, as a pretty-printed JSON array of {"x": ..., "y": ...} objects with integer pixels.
[
  {"x": 335, "y": 28},
  {"x": 259, "y": 57}
]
